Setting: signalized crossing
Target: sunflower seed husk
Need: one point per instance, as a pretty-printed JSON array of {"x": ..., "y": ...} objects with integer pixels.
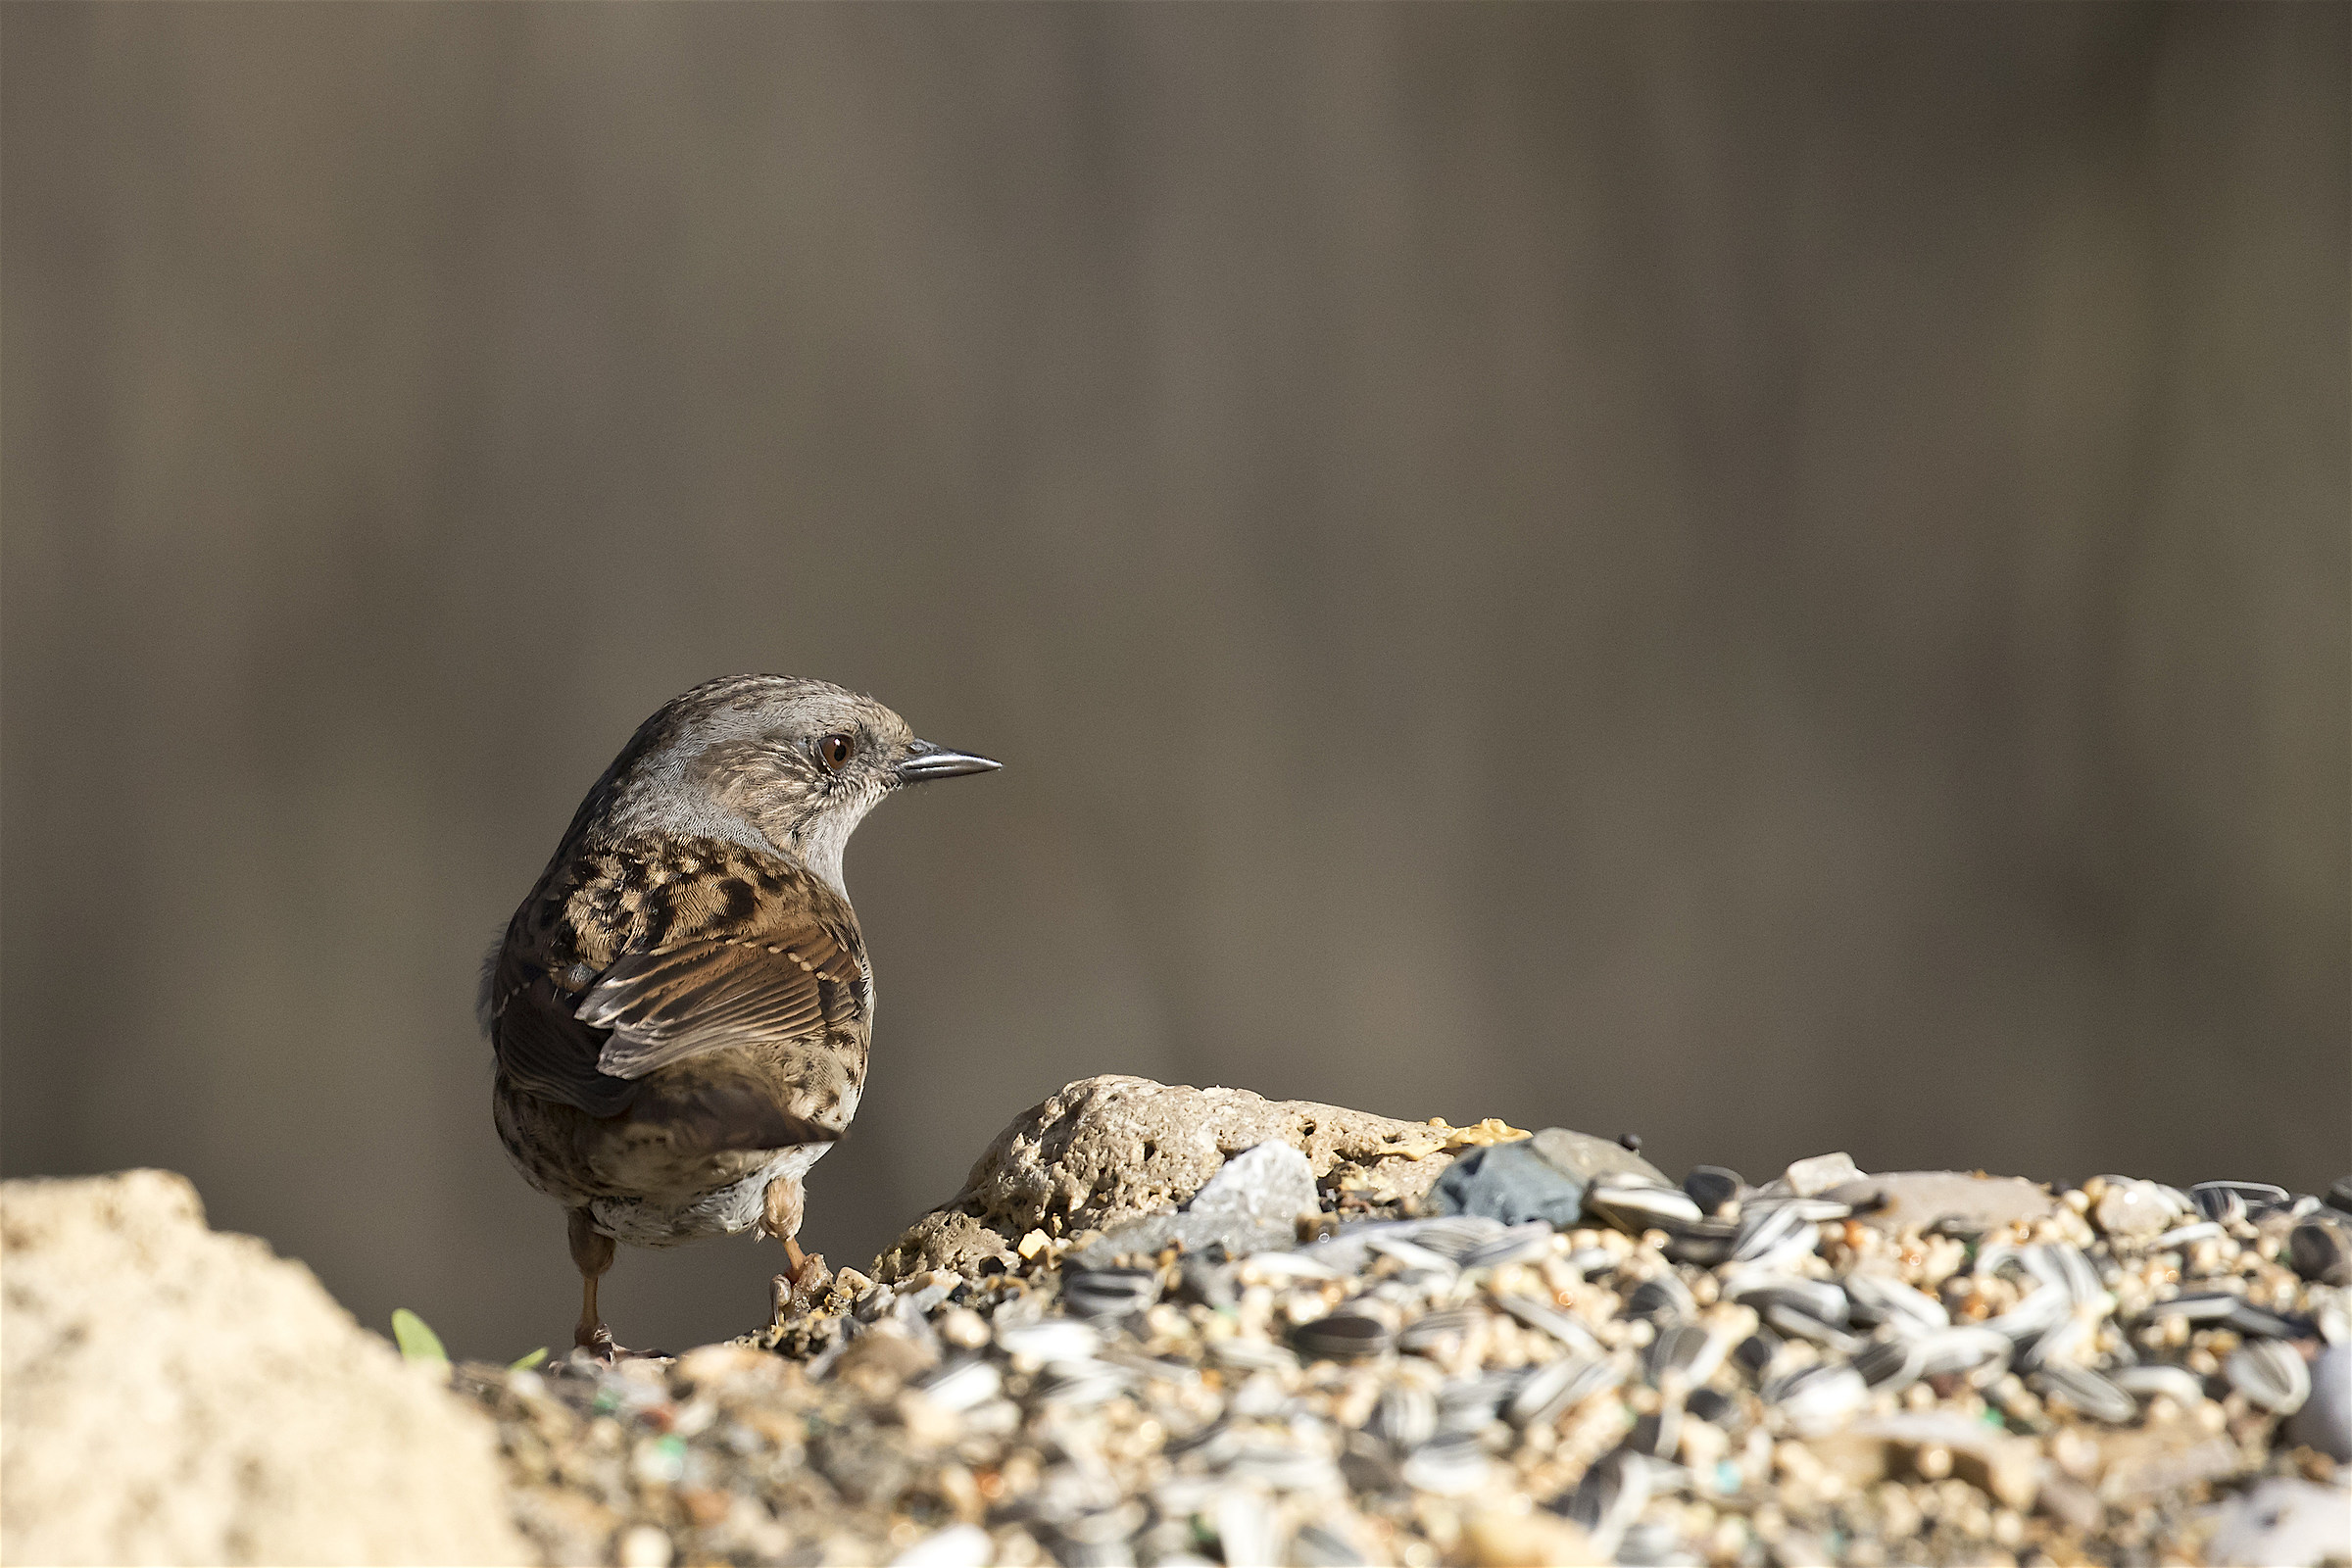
[
  {"x": 1109, "y": 1292},
  {"x": 2085, "y": 1391},
  {"x": 1962, "y": 1350},
  {"x": 2157, "y": 1380},
  {"x": 1341, "y": 1337},
  {"x": 1638, "y": 1206},
  {"x": 1547, "y": 1319},
  {"x": 1448, "y": 1467},
  {"x": 2270, "y": 1374},
  {"x": 1818, "y": 1398},
  {"x": 1875, "y": 1299},
  {"x": 1713, "y": 1187},
  {"x": 1891, "y": 1364},
  {"x": 1662, "y": 1296},
  {"x": 1517, "y": 1245},
  {"x": 1562, "y": 1385}
]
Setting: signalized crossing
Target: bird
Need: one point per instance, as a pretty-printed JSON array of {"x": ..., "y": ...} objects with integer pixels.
[{"x": 680, "y": 1010}]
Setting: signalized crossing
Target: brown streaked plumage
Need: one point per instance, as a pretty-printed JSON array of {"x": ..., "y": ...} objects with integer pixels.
[{"x": 681, "y": 1008}]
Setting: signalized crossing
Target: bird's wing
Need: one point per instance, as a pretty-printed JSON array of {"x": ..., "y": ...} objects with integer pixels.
[
  {"x": 766, "y": 985},
  {"x": 544, "y": 1051},
  {"x": 766, "y": 959}
]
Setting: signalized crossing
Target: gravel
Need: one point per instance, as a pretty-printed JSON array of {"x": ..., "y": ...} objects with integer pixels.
[{"x": 1832, "y": 1366}]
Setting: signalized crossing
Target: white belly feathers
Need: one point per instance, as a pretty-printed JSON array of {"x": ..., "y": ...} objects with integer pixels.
[{"x": 665, "y": 1220}]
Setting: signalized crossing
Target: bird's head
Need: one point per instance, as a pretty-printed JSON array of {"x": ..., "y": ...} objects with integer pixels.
[{"x": 770, "y": 761}]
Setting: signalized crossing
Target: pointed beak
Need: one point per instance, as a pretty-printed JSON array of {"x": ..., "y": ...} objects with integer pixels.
[{"x": 926, "y": 762}]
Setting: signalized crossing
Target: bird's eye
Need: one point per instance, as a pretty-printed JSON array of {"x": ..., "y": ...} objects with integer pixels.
[{"x": 835, "y": 751}]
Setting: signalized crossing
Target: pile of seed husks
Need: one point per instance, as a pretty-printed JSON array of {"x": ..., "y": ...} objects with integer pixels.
[{"x": 1830, "y": 1367}]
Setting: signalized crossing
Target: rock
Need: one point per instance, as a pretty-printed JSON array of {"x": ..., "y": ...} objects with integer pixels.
[
  {"x": 2283, "y": 1522},
  {"x": 2160, "y": 1460},
  {"x": 1966, "y": 1202},
  {"x": 180, "y": 1396},
  {"x": 1535, "y": 1539},
  {"x": 945, "y": 1239},
  {"x": 643, "y": 1547},
  {"x": 1811, "y": 1178},
  {"x": 2005, "y": 1468},
  {"x": 2068, "y": 1501},
  {"x": 1582, "y": 1158},
  {"x": 1114, "y": 1148},
  {"x": 1511, "y": 1183},
  {"x": 956, "y": 1546},
  {"x": 2132, "y": 1209},
  {"x": 2320, "y": 1249},
  {"x": 1252, "y": 1205},
  {"x": 1711, "y": 1187},
  {"x": 1271, "y": 1184},
  {"x": 2325, "y": 1422}
]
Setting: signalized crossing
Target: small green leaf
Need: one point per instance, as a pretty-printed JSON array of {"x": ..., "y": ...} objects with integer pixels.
[
  {"x": 417, "y": 1341},
  {"x": 526, "y": 1362}
]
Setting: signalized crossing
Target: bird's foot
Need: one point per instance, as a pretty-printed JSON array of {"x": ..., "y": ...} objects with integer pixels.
[
  {"x": 803, "y": 1288},
  {"x": 596, "y": 1344}
]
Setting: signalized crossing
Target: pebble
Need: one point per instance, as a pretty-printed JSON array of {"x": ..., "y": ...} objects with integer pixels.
[
  {"x": 2325, "y": 1422},
  {"x": 1511, "y": 1183},
  {"x": 1955, "y": 1201},
  {"x": 2320, "y": 1249},
  {"x": 1252, "y": 1203},
  {"x": 645, "y": 1547},
  {"x": 1809, "y": 1178},
  {"x": 1584, "y": 1158},
  {"x": 1922, "y": 1367},
  {"x": 1713, "y": 1187},
  {"x": 2133, "y": 1210},
  {"x": 2283, "y": 1522}
]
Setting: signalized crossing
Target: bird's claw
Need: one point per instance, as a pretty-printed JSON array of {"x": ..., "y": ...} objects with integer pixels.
[
  {"x": 803, "y": 1288},
  {"x": 598, "y": 1342}
]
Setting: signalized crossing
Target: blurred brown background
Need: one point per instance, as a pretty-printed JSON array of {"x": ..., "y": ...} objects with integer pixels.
[{"x": 1774, "y": 576}]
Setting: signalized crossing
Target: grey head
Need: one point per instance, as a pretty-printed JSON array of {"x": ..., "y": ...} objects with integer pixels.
[{"x": 778, "y": 762}]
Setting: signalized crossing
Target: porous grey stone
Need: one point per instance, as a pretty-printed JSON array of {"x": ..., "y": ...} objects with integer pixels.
[
  {"x": 180, "y": 1396},
  {"x": 945, "y": 1239}
]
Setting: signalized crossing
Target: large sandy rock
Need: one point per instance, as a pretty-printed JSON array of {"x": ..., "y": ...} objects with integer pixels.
[
  {"x": 1106, "y": 1151},
  {"x": 177, "y": 1396}
]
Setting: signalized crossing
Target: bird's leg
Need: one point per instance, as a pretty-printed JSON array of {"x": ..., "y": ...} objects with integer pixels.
[
  {"x": 781, "y": 1206},
  {"x": 592, "y": 1252}
]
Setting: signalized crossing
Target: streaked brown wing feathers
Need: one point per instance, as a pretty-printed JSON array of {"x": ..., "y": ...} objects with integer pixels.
[
  {"x": 701, "y": 996},
  {"x": 547, "y": 1051},
  {"x": 754, "y": 968}
]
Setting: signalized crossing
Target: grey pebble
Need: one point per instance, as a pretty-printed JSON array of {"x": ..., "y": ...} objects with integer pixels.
[
  {"x": 1511, "y": 1183},
  {"x": 2325, "y": 1422},
  {"x": 1583, "y": 1157},
  {"x": 1713, "y": 1186},
  {"x": 2320, "y": 1249}
]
